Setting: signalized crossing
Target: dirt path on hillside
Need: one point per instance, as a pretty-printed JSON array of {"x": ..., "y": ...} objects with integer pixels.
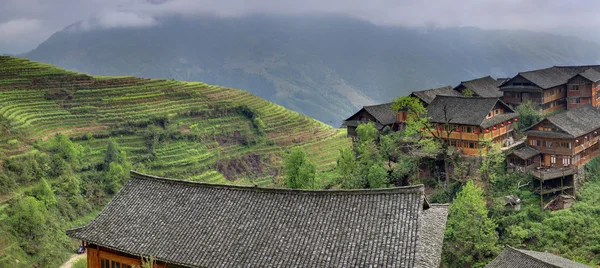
[{"x": 73, "y": 258}]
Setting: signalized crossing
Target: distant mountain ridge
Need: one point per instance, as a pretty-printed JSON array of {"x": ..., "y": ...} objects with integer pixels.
[{"x": 323, "y": 66}]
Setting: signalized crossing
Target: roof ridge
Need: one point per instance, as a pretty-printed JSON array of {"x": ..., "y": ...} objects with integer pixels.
[
  {"x": 520, "y": 251},
  {"x": 465, "y": 97},
  {"x": 477, "y": 79},
  {"x": 420, "y": 188}
]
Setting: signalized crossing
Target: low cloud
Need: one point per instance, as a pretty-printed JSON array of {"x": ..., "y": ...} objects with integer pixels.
[
  {"x": 117, "y": 19},
  {"x": 558, "y": 16},
  {"x": 14, "y": 28}
]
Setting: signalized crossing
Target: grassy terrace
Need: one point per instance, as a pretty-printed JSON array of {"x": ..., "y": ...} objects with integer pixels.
[{"x": 39, "y": 100}]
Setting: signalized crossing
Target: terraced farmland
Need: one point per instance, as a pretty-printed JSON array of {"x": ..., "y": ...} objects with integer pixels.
[{"x": 216, "y": 134}]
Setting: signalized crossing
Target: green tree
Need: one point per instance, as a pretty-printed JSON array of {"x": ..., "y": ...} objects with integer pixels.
[
  {"x": 366, "y": 132},
  {"x": 44, "y": 193},
  {"x": 470, "y": 237},
  {"x": 114, "y": 154},
  {"x": 114, "y": 177},
  {"x": 378, "y": 177},
  {"x": 493, "y": 163},
  {"x": 65, "y": 148},
  {"x": 29, "y": 218},
  {"x": 528, "y": 115},
  {"x": 467, "y": 92},
  {"x": 300, "y": 173}
]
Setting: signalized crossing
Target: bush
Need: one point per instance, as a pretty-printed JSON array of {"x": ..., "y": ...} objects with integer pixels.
[{"x": 80, "y": 263}]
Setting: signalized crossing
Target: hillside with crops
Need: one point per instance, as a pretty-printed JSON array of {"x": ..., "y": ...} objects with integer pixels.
[{"x": 56, "y": 127}]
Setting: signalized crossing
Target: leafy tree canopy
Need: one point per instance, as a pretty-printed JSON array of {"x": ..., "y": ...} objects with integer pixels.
[{"x": 470, "y": 237}]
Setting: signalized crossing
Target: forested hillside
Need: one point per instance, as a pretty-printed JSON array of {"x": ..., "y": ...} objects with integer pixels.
[
  {"x": 319, "y": 65},
  {"x": 68, "y": 140}
]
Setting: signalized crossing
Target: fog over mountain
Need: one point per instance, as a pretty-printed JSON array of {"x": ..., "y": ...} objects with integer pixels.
[{"x": 324, "y": 66}]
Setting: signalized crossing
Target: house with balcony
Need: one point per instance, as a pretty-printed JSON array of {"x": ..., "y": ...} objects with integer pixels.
[
  {"x": 467, "y": 121},
  {"x": 556, "y": 148},
  {"x": 555, "y": 88}
]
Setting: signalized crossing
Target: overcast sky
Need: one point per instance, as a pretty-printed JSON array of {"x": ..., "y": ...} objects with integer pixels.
[{"x": 26, "y": 23}]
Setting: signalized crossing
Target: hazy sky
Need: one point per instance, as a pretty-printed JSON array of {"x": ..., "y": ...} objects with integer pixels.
[{"x": 26, "y": 23}]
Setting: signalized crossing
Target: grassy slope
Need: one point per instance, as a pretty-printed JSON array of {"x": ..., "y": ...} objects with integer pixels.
[{"x": 97, "y": 104}]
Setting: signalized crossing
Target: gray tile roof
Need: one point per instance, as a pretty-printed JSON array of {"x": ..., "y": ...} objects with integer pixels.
[
  {"x": 574, "y": 122},
  {"x": 519, "y": 258},
  {"x": 428, "y": 95},
  {"x": 432, "y": 236},
  {"x": 525, "y": 152},
  {"x": 483, "y": 87},
  {"x": 467, "y": 111},
  {"x": 591, "y": 75},
  {"x": 195, "y": 224},
  {"x": 382, "y": 112},
  {"x": 557, "y": 75}
]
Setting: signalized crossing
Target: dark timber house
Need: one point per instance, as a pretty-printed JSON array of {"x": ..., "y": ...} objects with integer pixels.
[
  {"x": 554, "y": 88},
  {"x": 519, "y": 258},
  {"x": 557, "y": 146},
  {"x": 383, "y": 115},
  {"x": 191, "y": 224},
  {"x": 481, "y": 87},
  {"x": 465, "y": 121}
]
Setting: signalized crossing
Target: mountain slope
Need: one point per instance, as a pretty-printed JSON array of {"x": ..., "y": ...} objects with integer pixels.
[
  {"x": 186, "y": 130},
  {"x": 322, "y": 66}
]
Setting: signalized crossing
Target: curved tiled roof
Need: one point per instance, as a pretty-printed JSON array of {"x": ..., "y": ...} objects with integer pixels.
[
  {"x": 525, "y": 152},
  {"x": 467, "y": 111},
  {"x": 559, "y": 75},
  {"x": 519, "y": 258},
  {"x": 428, "y": 95},
  {"x": 204, "y": 225},
  {"x": 574, "y": 122},
  {"x": 383, "y": 113},
  {"x": 483, "y": 87}
]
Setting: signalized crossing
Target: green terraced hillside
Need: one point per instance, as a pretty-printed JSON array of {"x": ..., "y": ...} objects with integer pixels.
[{"x": 209, "y": 133}]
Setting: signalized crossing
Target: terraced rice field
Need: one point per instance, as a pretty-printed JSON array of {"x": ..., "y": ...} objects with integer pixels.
[{"x": 38, "y": 100}]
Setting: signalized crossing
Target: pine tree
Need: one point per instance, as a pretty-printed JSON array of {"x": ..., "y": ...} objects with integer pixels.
[{"x": 471, "y": 238}]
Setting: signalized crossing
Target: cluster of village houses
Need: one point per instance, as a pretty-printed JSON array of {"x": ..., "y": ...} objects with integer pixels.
[
  {"x": 192, "y": 224},
  {"x": 553, "y": 151}
]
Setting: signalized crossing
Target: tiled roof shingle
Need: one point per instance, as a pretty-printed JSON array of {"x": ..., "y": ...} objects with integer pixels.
[
  {"x": 519, "y": 258},
  {"x": 382, "y": 112},
  {"x": 574, "y": 122},
  {"x": 467, "y": 111},
  {"x": 483, "y": 87},
  {"x": 525, "y": 152},
  {"x": 204, "y": 225},
  {"x": 428, "y": 95}
]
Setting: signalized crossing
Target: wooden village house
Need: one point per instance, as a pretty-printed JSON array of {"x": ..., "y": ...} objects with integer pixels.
[
  {"x": 384, "y": 116},
  {"x": 466, "y": 121},
  {"x": 191, "y": 224},
  {"x": 555, "y": 88},
  {"x": 556, "y": 147}
]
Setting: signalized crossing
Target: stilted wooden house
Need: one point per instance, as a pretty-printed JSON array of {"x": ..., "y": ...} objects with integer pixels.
[
  {"x": 481, "y": 87},
  {"x": 554, "y": 88},
  {"x": 556, "y": 147},
  {"x": 191, "y": 224},
  {"x": 520, "y": 258},
  {"x": 466, "y": 121}
]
